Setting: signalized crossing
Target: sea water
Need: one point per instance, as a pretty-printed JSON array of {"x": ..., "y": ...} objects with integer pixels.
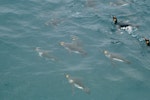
[{"x": 28, "y": 24}]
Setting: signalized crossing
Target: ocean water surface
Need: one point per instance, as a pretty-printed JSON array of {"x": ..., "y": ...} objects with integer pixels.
[{"x": 34, "y": 60}]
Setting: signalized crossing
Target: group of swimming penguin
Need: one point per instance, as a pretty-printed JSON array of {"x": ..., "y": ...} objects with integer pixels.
[
  {"x": 125, "y": 25},
  {"x": 75, "y": 46},
  {"x": 77, "y": 83}
]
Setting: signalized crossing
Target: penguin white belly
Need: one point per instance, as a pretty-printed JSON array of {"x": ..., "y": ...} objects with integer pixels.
[{"x": 78, "y": 86}]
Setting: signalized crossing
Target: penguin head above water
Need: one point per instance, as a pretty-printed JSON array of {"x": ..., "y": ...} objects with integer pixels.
[
  {"x": 147, "y": 42},
  {"x": 115, "y": 19}
]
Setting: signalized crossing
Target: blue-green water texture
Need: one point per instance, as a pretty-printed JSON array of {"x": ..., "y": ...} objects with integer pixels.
[{"x": 41, "y": 41}]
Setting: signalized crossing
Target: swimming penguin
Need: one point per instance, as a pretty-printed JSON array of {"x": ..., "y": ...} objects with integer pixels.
[
  {"x": 77, "y": 83},
  {"x": 46, "y": 54},
  {"x": 115, "y": 57},
  {"x": 122, "y": 25},
  {"x": 125, "y": 26},
  {"x": 73, "y": 47},
  {"x": 119, "y": 3}
]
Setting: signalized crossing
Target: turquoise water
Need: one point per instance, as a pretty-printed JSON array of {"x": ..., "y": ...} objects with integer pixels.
[{"x": 28, "y": 24}]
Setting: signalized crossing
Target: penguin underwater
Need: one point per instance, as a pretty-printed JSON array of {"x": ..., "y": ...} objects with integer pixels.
[
  {"x": 115, "y": 57},
  {"x": 46, "y": 54},
  {"x": 73, "y": 47},
  {"x": 77, "y": 83}
]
